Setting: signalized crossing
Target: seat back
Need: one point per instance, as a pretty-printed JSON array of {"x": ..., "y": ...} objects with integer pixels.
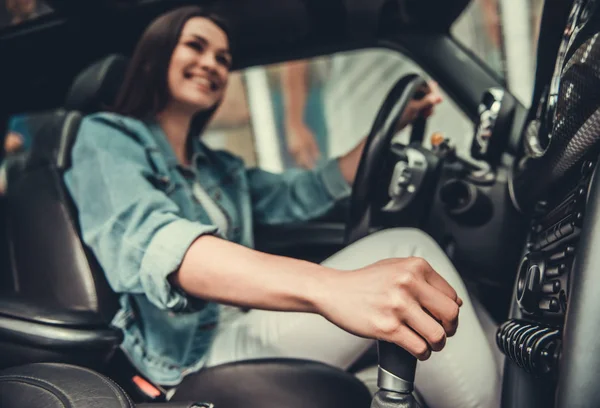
[
  {"x": 6, "y": 280},
  {"x": 50, "y": 263}
]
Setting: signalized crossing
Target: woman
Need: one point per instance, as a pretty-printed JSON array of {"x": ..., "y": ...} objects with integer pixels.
[{"x": 170, "y": 221}]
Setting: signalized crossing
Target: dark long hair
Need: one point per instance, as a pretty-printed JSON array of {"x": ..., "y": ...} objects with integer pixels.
[{"x": 145, "y": 89}]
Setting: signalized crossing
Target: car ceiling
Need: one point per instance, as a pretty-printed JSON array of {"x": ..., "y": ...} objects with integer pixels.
[{"x": 44, "y": 55}]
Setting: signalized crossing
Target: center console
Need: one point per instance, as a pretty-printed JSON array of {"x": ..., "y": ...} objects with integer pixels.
[{"x": 533, "y": 341}]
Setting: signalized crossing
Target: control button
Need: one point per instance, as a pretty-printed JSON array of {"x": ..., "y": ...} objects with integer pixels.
[
  {"x": 508, "y": 336},
  {"x": 529, "y": 287},
  {"x": 513, "y": 345},
  {"x": 501, "y": 333},
  {"x": 551, "y": 287},
  {"x": 587, "y": 167},
  {"x": 534, "y": 278},
  {"x": 521, "y": 352},
  {"x": 562, "y": 254},
  {"x": 557, "y": 232},
  {"x": 555, "y": 271},
  {"x": 437, "y": 139},
  {"x": 562, "y": 297},
  {"x": 549, "y": 305},
  {"x": 528, "y": 347},
  {"x": 566, "y": 229},
  {"x": 540, "y": 207}
]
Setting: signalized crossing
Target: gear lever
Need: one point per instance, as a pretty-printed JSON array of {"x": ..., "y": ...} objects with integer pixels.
[{"x": 395, "y": 377}]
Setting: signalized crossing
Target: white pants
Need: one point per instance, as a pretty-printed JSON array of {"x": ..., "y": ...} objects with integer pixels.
[{"x": 464, "y": 374}]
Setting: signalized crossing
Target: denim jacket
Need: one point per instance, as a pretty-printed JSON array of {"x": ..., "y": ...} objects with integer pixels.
[{"x": 138, "y": 214}]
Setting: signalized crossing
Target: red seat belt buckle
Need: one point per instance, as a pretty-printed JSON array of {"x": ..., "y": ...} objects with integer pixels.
[{"x": 146, "y": 388}]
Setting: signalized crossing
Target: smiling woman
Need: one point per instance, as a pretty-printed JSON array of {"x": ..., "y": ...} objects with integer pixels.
[{"x": 171, "y": 223}]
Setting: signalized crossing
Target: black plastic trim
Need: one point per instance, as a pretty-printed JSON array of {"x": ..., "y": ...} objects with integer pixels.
[
  {"x": 310, "y": 233},
  {"x": 45, "y": 336},
  {"x": 23, "y": 309},
  {"x": 580, "y": 361}
]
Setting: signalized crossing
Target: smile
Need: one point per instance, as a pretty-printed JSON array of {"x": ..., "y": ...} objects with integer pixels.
[{"x": 203, "y": 82}]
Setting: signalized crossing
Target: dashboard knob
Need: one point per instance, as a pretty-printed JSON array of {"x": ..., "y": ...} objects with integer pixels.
[
  {"x": 549, "y": 305},
  {"x": 551, "y": 287},
  {"x": 530, "y": 286}
]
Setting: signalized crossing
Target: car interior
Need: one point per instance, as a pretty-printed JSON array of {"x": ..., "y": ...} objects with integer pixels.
[{"x": 516, "y": 216}]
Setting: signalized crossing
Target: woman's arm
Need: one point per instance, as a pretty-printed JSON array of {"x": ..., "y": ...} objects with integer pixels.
[
  {"x": 296, "y": 195},
  {"x": 386, "y": 300},
  {"x": 221, "y": 271}
]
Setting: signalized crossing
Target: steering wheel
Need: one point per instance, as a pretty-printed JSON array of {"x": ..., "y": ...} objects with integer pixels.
[{"x": 411, "y": 86}]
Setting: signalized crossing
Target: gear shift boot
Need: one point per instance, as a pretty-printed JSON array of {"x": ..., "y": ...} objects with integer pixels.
[{"x": 390, "y": 399}]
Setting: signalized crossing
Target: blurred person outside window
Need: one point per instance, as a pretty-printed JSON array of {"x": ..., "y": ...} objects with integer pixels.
[
  {"x": 16, "y": 142},
  {"x": 303, "y": 112},
  {"x": 23, "y": 10},
  {"x": 18, "y": 137}
]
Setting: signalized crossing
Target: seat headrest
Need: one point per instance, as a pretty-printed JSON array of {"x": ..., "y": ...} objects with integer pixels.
[{"x": 96, "y": 87}]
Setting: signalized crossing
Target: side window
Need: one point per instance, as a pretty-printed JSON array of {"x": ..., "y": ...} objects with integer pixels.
[
  {"x": 302, "y": 112},
  {"x": 503, "y": 34}
]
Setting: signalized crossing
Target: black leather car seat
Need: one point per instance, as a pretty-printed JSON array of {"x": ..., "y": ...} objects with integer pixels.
[
  {"x": 63, "y": 303},
  {"x": 48, "y": 385},
  {"x": 50, "y": 264},
  {"x": 60, "y": 305},
  {"x": 51, "y": 385}
]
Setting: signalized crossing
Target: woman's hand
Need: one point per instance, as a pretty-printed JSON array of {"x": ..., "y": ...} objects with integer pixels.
[
  {"x": 302, "y": 145},
  {"x": 402, "y": 301},
  {"x": 421, "y": 107},
  {"x": 13, "y": 142}
]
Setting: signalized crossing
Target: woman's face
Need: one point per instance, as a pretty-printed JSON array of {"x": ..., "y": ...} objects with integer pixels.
[{"x": 199, "y": 66}]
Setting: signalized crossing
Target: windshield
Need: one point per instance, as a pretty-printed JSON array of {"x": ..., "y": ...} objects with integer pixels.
[
  {"x": 503, "y": 34},
  {"x": 14, "y": 12}
]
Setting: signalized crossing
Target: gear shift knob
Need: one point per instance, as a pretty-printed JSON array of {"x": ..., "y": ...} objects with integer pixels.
[
  {"x": 395, "y": 378},
  {"x": 396, "y": 368}
]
